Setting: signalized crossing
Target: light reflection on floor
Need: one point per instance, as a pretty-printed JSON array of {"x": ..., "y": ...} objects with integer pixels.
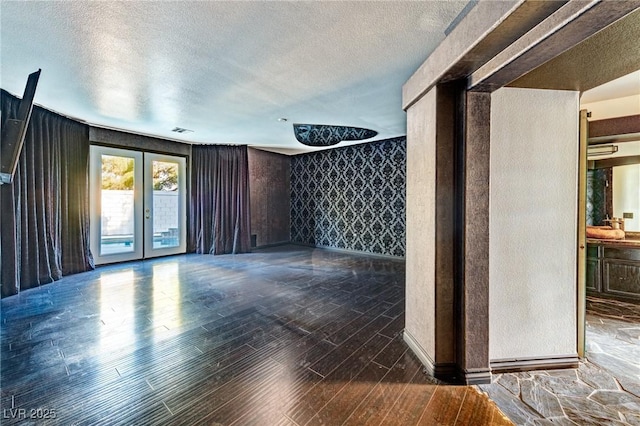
[
  {"x": 166, "y": 298},
  {"x": 117, "y": 310}
]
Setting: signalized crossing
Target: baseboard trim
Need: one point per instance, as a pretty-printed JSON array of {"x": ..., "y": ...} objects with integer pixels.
[
  {"x": 298, "y": 243},
  {"x": 475, "y": 376},
  {"x": 419, "y": 351},
  {"x": 534, "y": 363},
  {"x": 347, "y": 251},
  {"x": 447, "y": 372},
  {"x": 265, "y": 246},
  {"x": 443, "y": 371}
]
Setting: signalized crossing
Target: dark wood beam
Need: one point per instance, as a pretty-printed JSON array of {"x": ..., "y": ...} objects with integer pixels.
[
  {"x": 605, "y": 56},
  {"x": 613, "y": 162},
  {"x": 567, "y": 27},
  {"x": 615, "y": 126},
  {"x": 486, "y": 30}
]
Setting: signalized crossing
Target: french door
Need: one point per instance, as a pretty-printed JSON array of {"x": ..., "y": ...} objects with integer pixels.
[{"x": 137, "y": 204}]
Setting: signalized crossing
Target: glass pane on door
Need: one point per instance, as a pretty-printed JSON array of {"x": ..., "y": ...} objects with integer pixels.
[
  {"x": 115, "y": 182},
  {"x": 117, "y": 201},
  {"x": 166, "y": 204},
  {"x": 137, "y": 204}
]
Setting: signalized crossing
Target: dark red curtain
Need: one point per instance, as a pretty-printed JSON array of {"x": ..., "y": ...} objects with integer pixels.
[
  {"x": 219, "y": 212},
  {"x": 44, "y": 226}
]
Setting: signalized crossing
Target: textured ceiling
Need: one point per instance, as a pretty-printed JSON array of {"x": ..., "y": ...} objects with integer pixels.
[{"x": 226, "y": 70}]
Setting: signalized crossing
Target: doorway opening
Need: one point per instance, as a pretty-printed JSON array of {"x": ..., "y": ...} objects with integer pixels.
[{"x": 612, "y": 292}]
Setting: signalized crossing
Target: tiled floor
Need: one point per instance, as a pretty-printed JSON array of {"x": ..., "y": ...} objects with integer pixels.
[{"x": 604, "y": 390}]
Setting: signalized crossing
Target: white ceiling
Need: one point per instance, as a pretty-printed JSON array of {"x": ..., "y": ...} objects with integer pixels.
[
  {"x": 622, "y": 87},
  {"x": 226, "y": 70},
  {"x": 628, "y": 85}
]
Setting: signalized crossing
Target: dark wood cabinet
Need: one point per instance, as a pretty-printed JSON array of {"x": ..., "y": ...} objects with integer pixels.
[
  {"x": 594, "y": 275},
  {"x": 613, "y": 271}
]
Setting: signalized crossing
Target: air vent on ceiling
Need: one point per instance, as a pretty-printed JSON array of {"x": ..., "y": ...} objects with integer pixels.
[{"x": 181, "y": 130}]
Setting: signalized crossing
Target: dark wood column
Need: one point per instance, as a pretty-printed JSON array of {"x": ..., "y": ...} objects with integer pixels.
[
  {"x": 462, "y": 234},
  {"x": 472, "y": 260},
  {"x": 445, "y": 232}
]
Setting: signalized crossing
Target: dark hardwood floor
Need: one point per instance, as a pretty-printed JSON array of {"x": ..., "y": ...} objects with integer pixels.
[{"x": 288, "y": 335}]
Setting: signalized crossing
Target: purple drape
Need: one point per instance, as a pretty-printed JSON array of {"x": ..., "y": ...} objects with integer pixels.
[
  {"x": 219, "y": 213},
  {"x": 45, "y": 211}
]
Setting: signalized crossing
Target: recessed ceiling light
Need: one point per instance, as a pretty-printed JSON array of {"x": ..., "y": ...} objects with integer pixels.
[
  {"x": 282, "y": 119},
  {"x": 181, "y": 130}
]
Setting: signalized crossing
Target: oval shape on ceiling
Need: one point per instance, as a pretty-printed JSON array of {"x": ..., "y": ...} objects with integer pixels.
[{"x": 327, "y": 135}]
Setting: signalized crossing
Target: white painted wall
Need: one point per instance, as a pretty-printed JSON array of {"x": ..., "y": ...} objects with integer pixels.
[
  {"x": 612, "y": 108},
  {"x": 420, "y": 211},
  {"x": 626, "y": 194},
  {"x": 533, "y": 224}
]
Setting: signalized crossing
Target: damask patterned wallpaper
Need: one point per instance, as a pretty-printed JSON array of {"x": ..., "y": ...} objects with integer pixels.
[{"x": 351, "y": 198}]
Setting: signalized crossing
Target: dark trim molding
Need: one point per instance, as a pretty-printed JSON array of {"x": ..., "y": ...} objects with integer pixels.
[
  {"x": 475, "y": 376},
  {"x": 614, "y": 126},
  {"x": 615, "y": 161},
  {"x": 621, "y": 138},
  {"x": 487, "y": 29},
  {"x": 445, "y": 371},
  {"x": 605, "y": 56},
  {"x": 264, "y": 246},
  {"x": 448, "y": 372},
  {"x": 567, "y": 27},
  {"x": 538, "y": 363},
  {"x": 137, "y": 142}
]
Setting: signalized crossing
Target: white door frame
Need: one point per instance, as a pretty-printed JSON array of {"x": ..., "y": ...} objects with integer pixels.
[
  {"x": 582, "y": 238},
  {"x": 95, "y": 197},
  {"x": 143, "y": 237},
  {"x": 149, "y": 250}
]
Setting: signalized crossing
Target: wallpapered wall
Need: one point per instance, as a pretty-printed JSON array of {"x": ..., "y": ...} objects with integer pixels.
[{"x": 351, "y": 198}]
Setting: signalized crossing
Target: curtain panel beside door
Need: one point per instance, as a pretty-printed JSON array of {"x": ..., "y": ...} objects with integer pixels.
[
  {"x": 219, "y": 214},
  {"x": 44, "y": 227}
]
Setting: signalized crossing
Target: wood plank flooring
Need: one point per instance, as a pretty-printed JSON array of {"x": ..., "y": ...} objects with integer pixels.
[{"x": 282, "y": 336}]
